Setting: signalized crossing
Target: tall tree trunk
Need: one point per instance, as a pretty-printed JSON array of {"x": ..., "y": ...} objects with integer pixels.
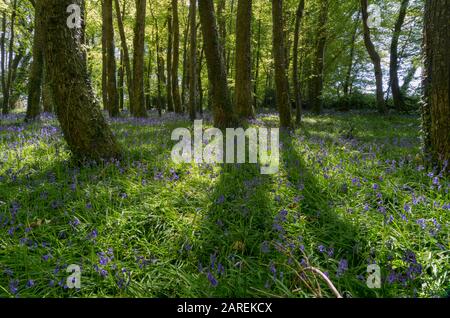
[
  {"x": 113, "y": 95},
  {"x": 47, "y": 99},
  {"x": 121, "y": 84},
  {"x": 243, "y": 84},
  {"x": 81, "y": 120},
  {"x": 159, "y": 62},
  {"x": 258, "y": 60},
  {"x": 7, "y": 91},
  {"x": 281, "y": 79},
  {"x": 436, "y": 106},
  {"x": 393, "y": 70},
  {"x": 138, "y": 60},
  {"x": 185, "y": 78},
  {"x": 37, "y": 67},
  {"x": 222, "y": 28},
  {"x": 295, "y": 73},
  {"x": 126, "y": 55},
  {"x": 176, "y": 57},
  {"x": 199, "y": 79},
  {"x": 193, "y": 60},
  {"x": 104, "y": 60},
  {"x": 220, "y": 95},
  {"x": 169, "y": 63},
  {"x": 3, "y": 53},
  {"x": 319, "y": 59},
  {"x": 375, "y": 57}
]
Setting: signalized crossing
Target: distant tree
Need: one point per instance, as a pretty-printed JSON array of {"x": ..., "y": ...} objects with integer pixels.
[
  {"x": 243, "y": 85},
  {"x": 193, "y": 59},
  {"x": 169, "y": 90},
  {"x": 111, "y": 79},
  {"x": 279, "y": 54},
  {"x": 7, "y": 85},
  {"x": 295, "y": 66},
  {"x": 78, "y": 112},
  {"x": 220, "y": 94},
  {"x": 393, "y": 70},
  {"x": 176, "y": 57},
  {"x": 436, "y": 106},
  {"x": 36, "y": 70},
  {"x": 138, "y": 60},
  {"x": 375, "y": 57}
]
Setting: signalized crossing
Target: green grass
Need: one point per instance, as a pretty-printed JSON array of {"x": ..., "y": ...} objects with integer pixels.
[{"x": 342, "y": 195}]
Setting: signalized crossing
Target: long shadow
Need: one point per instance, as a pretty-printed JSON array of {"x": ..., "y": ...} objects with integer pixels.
[
  {"x": 326, "y": 226},
  {"x": 231, "y": 231}
]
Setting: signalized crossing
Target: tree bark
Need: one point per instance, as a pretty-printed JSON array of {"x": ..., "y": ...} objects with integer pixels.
[
  {"x": 375, "y": 57},
  {"x": 193, "y": 60},
  {"x": 176, "y": 57},
  {"x": 295, "y": 73},
  {"x": 6, "y": 92},
  {"x": 436, "y": 106},
  {"x": 81, "y": 120},
  {"x": 393, "y": 70},
  {"x": 126, "y": 54},
  {"x": 138, "y": 60},
  {"x": 113, "y": 95},
  {"x": 36, "y": 72},
  {"x": 220, "y": 95},
  {"x": 169, "y": 63},
  {"x": 243, "y": 84},
  {"x": 281, "y": 79}
]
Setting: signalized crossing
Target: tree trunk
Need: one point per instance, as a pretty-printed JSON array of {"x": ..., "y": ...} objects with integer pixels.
[
  {"x": 436, "y": 106},
  {"x": 193, "y": 60},
  {"x": 138, "y": 60},
  {"x": 281, "y": 79},
  {"x": 6, "y": 92},
  {"x": 319, "y": 60},
  {"x": 81, "y": 120},
  {"x": 104, "y": 60},
  {"x": 295, "y": 73},
  {"x": 113, "y": 96},
  {"x": 393, "y": 70},
  {"x": 220, "y": 95},
  {"x": 3, "y": 52},
  {"x": 176, "y": 57},
  {"x": 37, "y": 67},
  {"x": 243, "y": 84},
  {"x": 258, "y": 59},
  {"x": 169, "y": 63},
  {"x": 375, "y": 57},
  {"x": 126, "y": 54}
]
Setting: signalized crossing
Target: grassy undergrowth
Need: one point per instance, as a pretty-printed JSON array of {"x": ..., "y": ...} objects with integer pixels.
[{"x": 351, "y": 191}]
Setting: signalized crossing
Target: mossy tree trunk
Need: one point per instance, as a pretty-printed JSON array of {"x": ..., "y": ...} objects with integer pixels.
[{"x": 83, "y": 125}]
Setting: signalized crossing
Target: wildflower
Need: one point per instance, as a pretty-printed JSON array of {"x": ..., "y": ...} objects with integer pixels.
[
  {"x": 321, "y": 248},
  {"x": 212, "y": 280},
  {"x": 14, "y": 286},
  {"x": 343, "y": 267},
  {"x": 407, "y": 208},
  {"x": 422, "y": 223},
  {"x": 30, "y": 283},
  {"x": 375, "y": 186},
  {"x": 265, "y": 248}
]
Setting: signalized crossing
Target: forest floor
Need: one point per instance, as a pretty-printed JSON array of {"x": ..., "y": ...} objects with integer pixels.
[{"x": 351, "y": 192}]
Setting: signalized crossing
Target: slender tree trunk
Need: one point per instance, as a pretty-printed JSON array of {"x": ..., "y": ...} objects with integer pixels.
[
  {"x": 281, "y": 79},
  {"x": 295, "y": 73},
  {"x": 36, "y": 72},
  {"x": 436, "y": 106},
  {"x": 222, "y": 27},
  {"x": 393, "y": 71},
  {"x": 221, "y": 101},
  {"x": 199, "y": 79},
  {"x": 7, "y": 91},
  {"x": 159, "y": 62},
  {"x": 121, "y": 84},
  {"x": 138, "y": 60},
  {"x": 186, "y": 67},
  {"x": 375, "y": 57},
  {"x": 243, "y": 84},
  {"x": 193, "y": 59},
  {"x": 3, "y": 53},
  {"x": 176, "y": 57},
  {"x": 104, "y": 60},
  {"x": 258, "y": 58},
  {"x": 170, "y": 106},
  {"x": 126, "y": 54},
  {"x": 81, "y": 120},
  {"x": 113, "y": 96},
  {"x": 319, "y": 60}
]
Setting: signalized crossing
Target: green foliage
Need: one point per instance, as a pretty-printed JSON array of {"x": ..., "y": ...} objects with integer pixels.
[{"x": 351, "y": 190}]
